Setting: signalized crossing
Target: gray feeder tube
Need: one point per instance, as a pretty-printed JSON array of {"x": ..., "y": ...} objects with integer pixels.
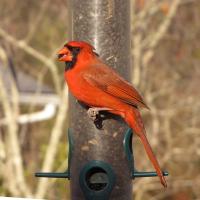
[{"x": 98, "y": 164}]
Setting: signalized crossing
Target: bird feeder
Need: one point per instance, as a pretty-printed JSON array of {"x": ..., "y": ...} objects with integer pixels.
[{"x": 101, "y": 164}]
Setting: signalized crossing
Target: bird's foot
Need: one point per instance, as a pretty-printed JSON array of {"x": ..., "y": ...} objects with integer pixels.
[{"x": 94, "y": 112}]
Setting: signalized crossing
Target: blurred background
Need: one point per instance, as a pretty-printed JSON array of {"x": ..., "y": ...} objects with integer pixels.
[{"x": 33, "y": 98}]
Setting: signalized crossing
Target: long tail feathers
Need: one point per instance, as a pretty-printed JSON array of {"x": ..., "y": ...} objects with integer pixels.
[
  {"x": 153, "y": 159},
  {"x": 135, "y": 121}
]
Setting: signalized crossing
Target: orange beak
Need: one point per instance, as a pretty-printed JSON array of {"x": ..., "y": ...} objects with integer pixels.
[{"x": 64, "y": 55}]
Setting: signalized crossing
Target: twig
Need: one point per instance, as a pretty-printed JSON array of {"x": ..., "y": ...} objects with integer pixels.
[
  {"x": 158, "y": 35},
  {"x": 37, "y": 20},
  {"x": 17, "y": 179},
  {"x": 36, "y": 54},
  {"x": 51, "y": 151}
]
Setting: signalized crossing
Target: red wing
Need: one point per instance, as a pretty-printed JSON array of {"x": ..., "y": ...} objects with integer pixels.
[{"x": 110, "y": 82}]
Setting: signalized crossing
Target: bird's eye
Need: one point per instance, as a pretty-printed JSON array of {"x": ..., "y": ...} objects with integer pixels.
[{"x": 76, "y": 49}]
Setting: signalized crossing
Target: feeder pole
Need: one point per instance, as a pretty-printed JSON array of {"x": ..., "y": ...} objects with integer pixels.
[{"x": 106, "y": 25}]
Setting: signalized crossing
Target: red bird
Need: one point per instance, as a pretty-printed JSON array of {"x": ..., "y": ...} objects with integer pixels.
[{"x": 92, "y": 82}]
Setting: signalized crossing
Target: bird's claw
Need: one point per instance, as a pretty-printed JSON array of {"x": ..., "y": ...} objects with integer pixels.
[{"x": 92, "y": 113}]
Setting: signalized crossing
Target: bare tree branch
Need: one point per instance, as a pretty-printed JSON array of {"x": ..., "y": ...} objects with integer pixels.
[
  {"x": 51, "y": 151},
  {"x": 36, "y": 54},
  {"x": 16, "y": 178},
  {"x": 155, "y": 38}
]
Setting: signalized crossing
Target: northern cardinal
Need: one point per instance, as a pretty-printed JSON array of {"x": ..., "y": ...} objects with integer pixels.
[{"x": 98, "y": 86}]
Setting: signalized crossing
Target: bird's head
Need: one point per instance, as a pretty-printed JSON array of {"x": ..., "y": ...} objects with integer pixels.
[{"x": 72, "y": 50}]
